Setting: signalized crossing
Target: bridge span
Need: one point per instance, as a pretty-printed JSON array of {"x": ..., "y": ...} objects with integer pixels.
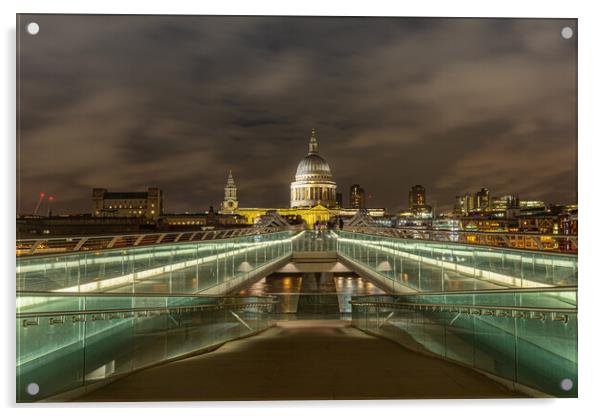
[{"x": 91, "y": 313}]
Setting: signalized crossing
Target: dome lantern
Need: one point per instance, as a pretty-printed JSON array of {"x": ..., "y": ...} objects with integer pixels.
[{"x": 313, "y": 143}]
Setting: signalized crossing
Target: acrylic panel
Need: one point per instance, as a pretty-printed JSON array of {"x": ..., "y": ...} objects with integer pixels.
[{"x": 254, "y": 207}]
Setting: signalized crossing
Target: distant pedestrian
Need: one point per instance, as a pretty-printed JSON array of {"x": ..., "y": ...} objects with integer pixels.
[{"x": 340, "y": 223}]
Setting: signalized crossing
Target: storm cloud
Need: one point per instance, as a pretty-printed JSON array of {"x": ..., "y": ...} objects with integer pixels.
[{"x": 128, "y": 102}]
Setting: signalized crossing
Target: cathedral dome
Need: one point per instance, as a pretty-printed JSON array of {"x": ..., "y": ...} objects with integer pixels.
[
  {"x": 313, "y": 166},
  {"x": 313, "y": 183}
]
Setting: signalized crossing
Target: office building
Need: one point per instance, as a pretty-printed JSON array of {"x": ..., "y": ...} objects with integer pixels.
[
  {"x": 417, "y": 197},
  {"x": 357, "y": 197},
  {"x": 147, "y": 204}
]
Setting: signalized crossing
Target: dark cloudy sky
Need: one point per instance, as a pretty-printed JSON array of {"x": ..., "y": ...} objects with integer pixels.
[{"x": 127, "y": 102}]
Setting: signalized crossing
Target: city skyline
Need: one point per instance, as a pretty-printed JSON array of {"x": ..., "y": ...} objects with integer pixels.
[{"x": 481, "y": 103}]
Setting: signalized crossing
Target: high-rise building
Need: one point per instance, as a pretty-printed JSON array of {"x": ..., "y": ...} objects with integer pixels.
[
  {"x": 470, "y": 203},
  {"x": 417, "y": 197},
  {"x": 357, "y": 197},
  {"x": 418, "y": 209},
  {"x": 147, "y": 204},
  {"x": 230, "y": 202},
  {"x": 460, "y": 206},
  {"x": 482, "y": 199},
  {"x": 465, "y": 204}
]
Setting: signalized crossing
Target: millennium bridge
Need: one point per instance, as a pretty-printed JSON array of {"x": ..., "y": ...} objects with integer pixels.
[{"x": 284, "y": 313}]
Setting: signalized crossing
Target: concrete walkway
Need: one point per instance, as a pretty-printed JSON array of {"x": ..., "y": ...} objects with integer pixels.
[{"x": 304, "y": 360}]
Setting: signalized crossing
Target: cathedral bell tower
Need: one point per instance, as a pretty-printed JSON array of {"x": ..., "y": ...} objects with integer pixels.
[{"x": 230, "y": 203}]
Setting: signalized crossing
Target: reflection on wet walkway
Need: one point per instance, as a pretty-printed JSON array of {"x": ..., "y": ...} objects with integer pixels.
[
  {"x": 304, "y": 360},
  {"x": 310, "y": 294}
]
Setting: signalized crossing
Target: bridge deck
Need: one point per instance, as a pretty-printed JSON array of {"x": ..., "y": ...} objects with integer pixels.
[{"x": 304, "y": 360}]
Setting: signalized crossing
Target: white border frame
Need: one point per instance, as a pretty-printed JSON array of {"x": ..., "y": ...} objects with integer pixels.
[{"x": 590, "y": 134}]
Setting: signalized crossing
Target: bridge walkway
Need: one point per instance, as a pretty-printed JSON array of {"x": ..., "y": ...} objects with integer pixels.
[{"x": 304, "y": 360}]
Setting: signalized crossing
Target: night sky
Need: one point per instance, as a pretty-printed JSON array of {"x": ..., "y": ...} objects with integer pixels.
[{"x": 128, "y": 102}]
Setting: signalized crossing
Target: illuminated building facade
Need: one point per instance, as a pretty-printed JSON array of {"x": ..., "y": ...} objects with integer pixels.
[
  {"x": 357, "y": 197},
  {"x": 567, "y": 225},
  {"x": 409, "y": 219},
  {"x": 465, "y": 204},
  {"x": 313, "y": 183},
  {"x": 419, "y": 213},
  {"x": 470, "y": 203},
  {"x": 417, "y": 197},
  {"x": 308, "y": 215},
  {"x": 482, "y": 199},
  {"x": 204, "y": 220},
  {"x": 538, "y": 223},
  {"x": 486, "y": 224},
  {"x": 531, "y": 204},
  {"x": 147, "y": 204},
  {"x": 503, "y": 203},
  {"x": 460, "y": 205}
]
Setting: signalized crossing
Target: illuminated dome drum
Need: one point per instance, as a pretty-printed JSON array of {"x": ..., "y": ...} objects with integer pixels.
[{"x": 313, "y": 183}]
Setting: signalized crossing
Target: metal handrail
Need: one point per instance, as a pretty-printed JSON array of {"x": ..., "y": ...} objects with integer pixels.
[
  {"x": 557, "y": 314},
  {"x": 24, "y": 315},
  {"x": 444, "y": 236},
  {"x": 484, "y": 291},
  {"x": 131, "y": 295},
  {"x": 150, "y": 233},
  {"x": 456, "y": 307},
  {"x": 425, "y": 230},
  {"x": 76, "y": 244}
]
